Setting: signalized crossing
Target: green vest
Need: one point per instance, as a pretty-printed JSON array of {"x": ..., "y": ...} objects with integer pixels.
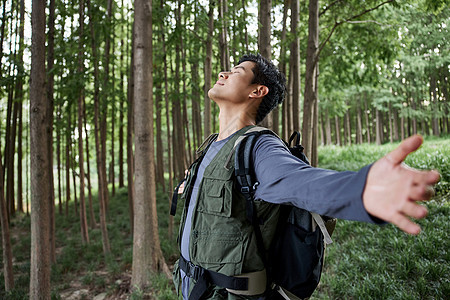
[{"x": 222, "y": 239}]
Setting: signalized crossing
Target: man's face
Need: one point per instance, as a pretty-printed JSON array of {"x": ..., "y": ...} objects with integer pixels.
[{"x": 234, "y": 86}]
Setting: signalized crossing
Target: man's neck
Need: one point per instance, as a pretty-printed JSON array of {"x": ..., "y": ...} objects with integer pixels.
[{"x": 230, "y": 122}]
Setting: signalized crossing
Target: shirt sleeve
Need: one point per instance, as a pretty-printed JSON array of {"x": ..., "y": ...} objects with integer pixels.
[{"x": 285, "y": 179}]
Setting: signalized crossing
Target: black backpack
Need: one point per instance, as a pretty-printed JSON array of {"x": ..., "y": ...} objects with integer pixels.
[{"x": 295, "y": 259}]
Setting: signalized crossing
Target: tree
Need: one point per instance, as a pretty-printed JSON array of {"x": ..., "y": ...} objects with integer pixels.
[
  {"x": 6, "y": 241},
  {"x": 40, "y": 177},
  {"x": 147, "y": 254}
]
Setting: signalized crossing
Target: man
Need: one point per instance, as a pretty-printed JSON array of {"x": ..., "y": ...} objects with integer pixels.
[{"x": 217, "y": 242}]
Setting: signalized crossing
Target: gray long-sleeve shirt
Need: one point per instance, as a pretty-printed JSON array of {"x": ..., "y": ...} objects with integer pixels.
[{"x": 285, "y": 179}]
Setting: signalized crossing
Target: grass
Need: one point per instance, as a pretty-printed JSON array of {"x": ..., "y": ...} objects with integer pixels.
[
  {"x": 364, "y": 262},
  {"x": 381, "y": 262}
]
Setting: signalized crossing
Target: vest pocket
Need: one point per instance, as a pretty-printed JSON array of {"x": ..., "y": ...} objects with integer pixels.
[
  {"x": 213, "y": 197},
  {"x": 218, "y": 248}
]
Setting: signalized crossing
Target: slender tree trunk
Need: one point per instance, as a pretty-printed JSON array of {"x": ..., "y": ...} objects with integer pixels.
[
  {"x": 130, "y": 137},
  {"x": 282, "y": 67},
  {"x": 327, "y": 128},
  {"x": 295, "y": 65},
  {"x": 169, "y": 138},
  {"x": 208, "y": 70},
  {"x": 58, "y": 162},
  {"x": 40, "y": 177},
  {"x": 264, "y": 37},
  {"x": 223, "y": 35},
  {"x": 122, "y": 100},
  {"x": 359, "y": 138},
  {"x": 83, "y": 218},
  {"x": 147, "y": 254},
  {"x": 338, "y": 131},
  {"x": 50, "y": 107},
  {"x": 68, "y": 132},
  {"x": 378, "y": 127},
  {"x": 6, "y": 241},
  {"x": 102, "y": 190},
  {"x": 366, "y": 116},
  {"x": 159, "y": 143},
  {"x": 310, "y": 123},
  {"x": 19, "y": 99},
  {"x": 349, "y": 128},
  {"x": 92, "y": 221}
]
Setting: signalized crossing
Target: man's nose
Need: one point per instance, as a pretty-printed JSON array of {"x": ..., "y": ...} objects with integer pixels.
[{"x": 223, "y": 75}]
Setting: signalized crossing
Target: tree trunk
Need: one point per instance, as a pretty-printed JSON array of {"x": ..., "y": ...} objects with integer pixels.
[
  {"x": 295, "y": 65},
  {"x": 50, "y": 108},
  {"x": 264, "y": 38},
  {"x": 92, "y": 221},
  {"x": 58, "y": 162},
  {"x": 130, "y": 137},
  {"x": 338, "y": 131},
  {"x": 282, "y": 67},
  {"x": 40, "y": 177},
  {"x": 208, "y": 70},
  {"x": 123, "y": 50},
  {"x": 366, "y": 116},
  {"x": 67, "y": 165},
  {"x": 327, "y": 128},
  {"x": 378, "y": 127},
  {"x": 6, "y": 241},
  {"x": 83, "y": 218},
  {"x": 349, "y": 128},
  {"x": 310, "y": 123},
  {"x": 159, "y": 143},
  {"x": 169, "y": 137},
  {"x": 223, "y": 36},
  {"x": 102, "y": 189},
  {"x": 147, "y": 254},
  {"x": 359, "y": 138}
]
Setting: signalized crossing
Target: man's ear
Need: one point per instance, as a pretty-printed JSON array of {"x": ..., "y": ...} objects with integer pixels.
[{"x": 259, "y": 91}]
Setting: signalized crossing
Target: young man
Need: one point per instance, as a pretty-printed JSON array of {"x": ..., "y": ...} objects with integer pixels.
[{"x": 217, "y": 242}]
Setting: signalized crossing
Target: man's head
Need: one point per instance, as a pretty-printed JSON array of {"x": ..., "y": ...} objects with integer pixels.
[{"x": 265, "y": 73}]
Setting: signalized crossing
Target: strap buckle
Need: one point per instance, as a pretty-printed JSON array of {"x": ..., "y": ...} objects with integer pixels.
[{"x": 194, "y": 272}]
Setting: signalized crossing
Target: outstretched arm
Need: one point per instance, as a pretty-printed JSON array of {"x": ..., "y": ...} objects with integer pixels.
[{"x": 392, "y": 188}]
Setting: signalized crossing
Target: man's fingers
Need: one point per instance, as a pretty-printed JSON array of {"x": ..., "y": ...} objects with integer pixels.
[
  {"x": 414, "y": 210},
  {"x": 405, "y": 224},
  {"x": 409, "y": 145}
]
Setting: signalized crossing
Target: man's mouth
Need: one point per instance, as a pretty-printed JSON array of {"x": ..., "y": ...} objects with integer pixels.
[{"x": 219, "y": 83}]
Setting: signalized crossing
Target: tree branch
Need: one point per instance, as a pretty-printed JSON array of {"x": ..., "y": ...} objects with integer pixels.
[
  {"x": 336, "y": 24},
  {"x": 328, "y": 7},
  {"x": 367, "y": 21}
]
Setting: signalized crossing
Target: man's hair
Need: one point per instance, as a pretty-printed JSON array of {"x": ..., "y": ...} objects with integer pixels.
[{"x": 268, "y": 75}]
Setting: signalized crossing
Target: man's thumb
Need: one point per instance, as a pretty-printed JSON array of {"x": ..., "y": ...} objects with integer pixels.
[{"x": 407, "y": 146}]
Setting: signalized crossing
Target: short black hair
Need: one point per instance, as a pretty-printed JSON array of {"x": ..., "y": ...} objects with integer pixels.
[{"x": 267, "y": 74}]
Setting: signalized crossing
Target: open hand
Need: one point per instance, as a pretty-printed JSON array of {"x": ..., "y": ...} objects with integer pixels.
[{"x": 392, "y": 188}]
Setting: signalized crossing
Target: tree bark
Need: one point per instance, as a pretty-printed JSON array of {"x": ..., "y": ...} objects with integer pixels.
[
  {"x": 169, "y": 137},
  {"x": 338, "y": 131},
  {"x": 102, "y": 189},
  {"x": 83, "y": 218},
  {"x": 310, "y": 123},
  {"x": 295, "y": 65},
  {"x": 50, "y": 108},
  {"x": 6, "y": 241},
  {"x": 130, "y": 137},
  {"x": 208, "y": 70},
  {"x": 282, "y": 67},
  {"x": 40, "y": 177},
  {"x": 264, "y": 39},
  {"x": 92, "y": 221},
  {"x": 147, "y": 254}
]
